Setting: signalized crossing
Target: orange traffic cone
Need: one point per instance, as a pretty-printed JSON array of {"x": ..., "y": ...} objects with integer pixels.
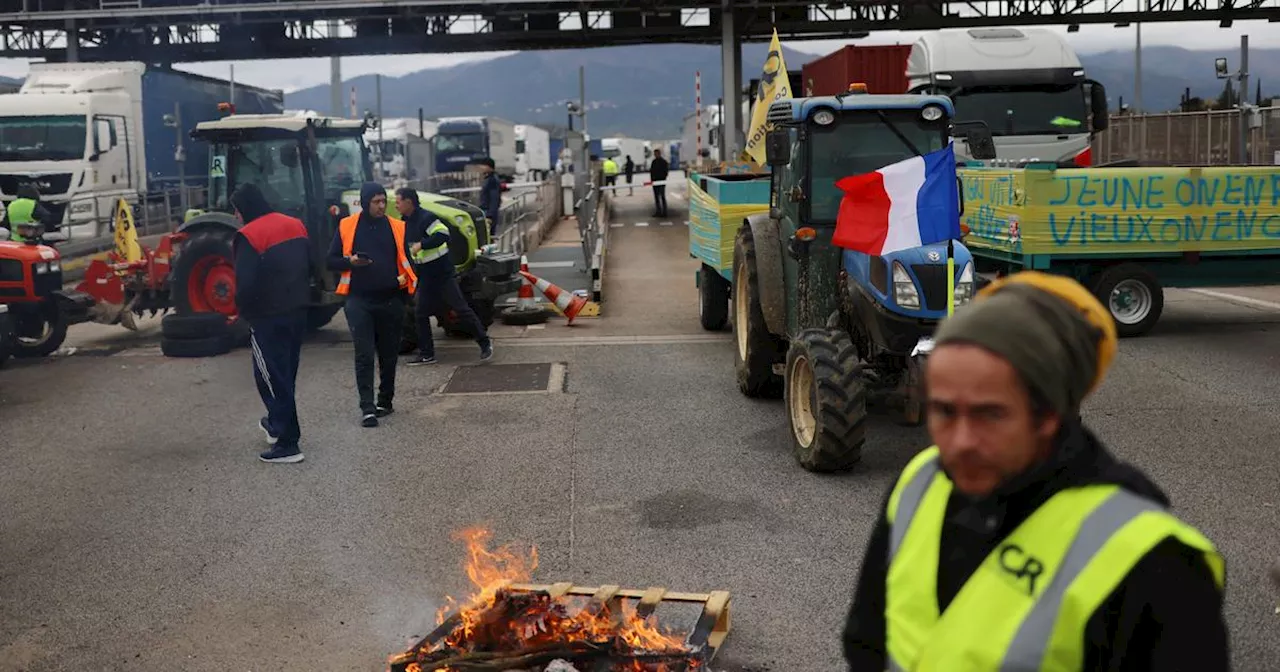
[
  {"x": 526, "y": 311},
  {"x": 525, "y": 299},
  {"x": 569, "y": 304}
]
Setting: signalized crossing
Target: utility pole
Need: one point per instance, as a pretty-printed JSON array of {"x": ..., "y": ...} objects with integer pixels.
[
  {"x": 1137, "y": 92},
  {"x": 174, "y": 121},
  {"x": 335, "y": 76},
  {"x": 232, "y": 94},
  {"x": 1244, "y": 100},
  {"x": 377, "y": 87}
]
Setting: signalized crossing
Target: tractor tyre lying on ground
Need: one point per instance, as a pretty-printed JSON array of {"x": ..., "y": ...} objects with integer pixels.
[
  {"x": 204, "y": 276},
  {"x": 202, "y": 335},
  {"x": 713, "y": 299},
  {"x": 825, "y": 400},
  {"x": 756, "y": 350},
  {"x": 1132, "y": 295},
  {"x": 516, "y": 317},
  {"x": 319, "y": 316},
  {"x": 193, "y": 326},
  {"x": 210, "y": 346}
]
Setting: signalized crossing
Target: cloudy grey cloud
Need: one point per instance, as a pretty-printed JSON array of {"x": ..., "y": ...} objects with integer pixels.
[{"x": 292, "y": 74}]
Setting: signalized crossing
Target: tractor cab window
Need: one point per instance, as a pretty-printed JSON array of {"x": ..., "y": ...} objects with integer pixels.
[
  {"x": 341, "y": 163},
  {"x": 860, "y": 142},
  {"x": 274, "y": 166}
]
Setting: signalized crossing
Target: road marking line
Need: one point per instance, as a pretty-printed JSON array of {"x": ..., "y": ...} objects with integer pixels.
[
  {"x": 1243, "y": 300},
  {"x": 642, "y": 223},
  {"x": 551, "y": 264},
  {"x": 617, "y": 225},
  {"x": 665, "y": 224}
]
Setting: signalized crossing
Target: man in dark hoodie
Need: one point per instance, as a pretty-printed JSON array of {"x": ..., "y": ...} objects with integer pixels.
[
  {"x": 491, "y": 196},
  {"x": 1018, "y": 542},
  {"x": 377, "y": 279},
  {"x": 438, "y": 288},
  {"x": 273, "y": 290}
]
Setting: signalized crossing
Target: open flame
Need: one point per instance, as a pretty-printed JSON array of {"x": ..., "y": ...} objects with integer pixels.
[{"x": 494, "y": 619}]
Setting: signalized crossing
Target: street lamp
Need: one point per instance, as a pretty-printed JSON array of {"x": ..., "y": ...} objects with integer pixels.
[{"x": 1223, "y": 71}]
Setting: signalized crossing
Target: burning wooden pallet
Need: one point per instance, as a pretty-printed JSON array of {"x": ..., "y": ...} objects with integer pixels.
[{"x": 605, "y": 629}]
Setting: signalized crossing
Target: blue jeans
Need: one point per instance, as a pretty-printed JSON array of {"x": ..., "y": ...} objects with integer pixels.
[
  {"x": 276, "y": 342},
  {"x": 376, "y": 328}
]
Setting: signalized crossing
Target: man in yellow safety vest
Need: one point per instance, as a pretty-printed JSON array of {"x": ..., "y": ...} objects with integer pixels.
[
  {"x": 610, "y": 172},
  {"x": 25, "y": 216},
  {"x": 1018, "y": 542}
]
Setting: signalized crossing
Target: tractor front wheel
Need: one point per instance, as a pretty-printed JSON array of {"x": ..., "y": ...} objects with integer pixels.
[
  {"x": 39, "y": 330},
  {"x": 825, "y": 400},
  {"x": 204, "y": 277}
]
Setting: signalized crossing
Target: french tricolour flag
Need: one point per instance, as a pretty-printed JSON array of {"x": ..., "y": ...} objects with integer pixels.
[{"x": 906, "y": 204}]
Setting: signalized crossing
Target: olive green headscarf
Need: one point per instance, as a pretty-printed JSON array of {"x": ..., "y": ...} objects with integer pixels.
[{"x": 1049, "y": 342}]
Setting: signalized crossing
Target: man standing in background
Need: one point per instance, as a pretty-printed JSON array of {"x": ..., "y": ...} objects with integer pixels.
[
  {"x": 629, "y": 169},
  {"x": 273, "y": 291},
  {"x": 491, "y": 197},
  {"x": 377, "y": 279},
  {"x": 658, "y": 171}
]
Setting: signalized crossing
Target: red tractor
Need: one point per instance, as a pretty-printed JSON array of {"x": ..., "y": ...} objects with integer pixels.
[{"x": 39, "y": 309}]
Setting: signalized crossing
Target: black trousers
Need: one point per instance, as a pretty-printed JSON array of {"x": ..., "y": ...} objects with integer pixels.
[
  {"x": 276, "y": 342},
  {"x": 660, "y": 199},
  {"x": 437, "y": 294},
  {"x": 376, "y": 328}
]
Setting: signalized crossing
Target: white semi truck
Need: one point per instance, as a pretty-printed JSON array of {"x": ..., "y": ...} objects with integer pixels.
[
  {"x": 533, "y": 153},
  {"x": 87, "y": 134},
  {"x": 619, "y": 148},
  {"x": 390, "y": 145},
  {"x": 1027, "y": 84}
]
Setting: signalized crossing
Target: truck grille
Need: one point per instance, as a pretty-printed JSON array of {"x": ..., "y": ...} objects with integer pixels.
[
  {"x": 53, "y": 184},
  {"x": 933, "y": 285}
]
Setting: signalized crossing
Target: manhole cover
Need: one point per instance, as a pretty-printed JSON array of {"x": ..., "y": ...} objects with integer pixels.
[{"x": 506, "y": 379}]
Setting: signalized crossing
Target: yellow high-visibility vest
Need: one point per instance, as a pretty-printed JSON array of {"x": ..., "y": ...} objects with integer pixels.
[
  {"x": 425, "y": 255},
  {"x": 610, "y": 168},
  {"x": 1027, "y": 604}
]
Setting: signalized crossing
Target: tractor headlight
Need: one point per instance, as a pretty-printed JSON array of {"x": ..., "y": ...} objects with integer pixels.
[
  {"x": 904, "y": 289},
  {"x": 931, "y": 113},
  {"x": 42, "y": 267},
  {"x": 55, "y": 266},
  {"x": 459, "y": 220},
  {"x": 964, "y": 287},
  {"x": 824, "y": 117}
]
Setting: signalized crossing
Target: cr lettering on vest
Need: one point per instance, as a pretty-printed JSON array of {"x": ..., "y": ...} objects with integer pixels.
[{"x": 1017, "y": 562}]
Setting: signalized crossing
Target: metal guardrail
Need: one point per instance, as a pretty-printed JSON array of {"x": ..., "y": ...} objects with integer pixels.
[
  {"x": 1209, "y": 138},
  {"x": 525, "y": 210}
]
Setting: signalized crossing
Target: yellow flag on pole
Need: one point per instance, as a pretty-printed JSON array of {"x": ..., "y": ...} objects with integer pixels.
[{"x": 774, "y": 86}]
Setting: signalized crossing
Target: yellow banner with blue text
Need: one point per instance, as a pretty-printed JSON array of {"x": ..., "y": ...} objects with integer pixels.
[{"x": 1122, "y": 210}]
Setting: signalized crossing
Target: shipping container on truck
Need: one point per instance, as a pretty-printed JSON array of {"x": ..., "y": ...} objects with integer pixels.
[
  {"x": 464, "y": 141},
  {"x": 87, "y": 134},
  {"x": 882, "y": 68}
]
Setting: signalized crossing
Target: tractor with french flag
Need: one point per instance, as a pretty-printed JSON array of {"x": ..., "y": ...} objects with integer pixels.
[{"x": 837, "y": 289}]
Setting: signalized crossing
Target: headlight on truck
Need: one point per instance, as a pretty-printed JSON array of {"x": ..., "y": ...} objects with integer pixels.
[
  {"x": 904, "y": 289},
  {"x": 964, "y": 287}
]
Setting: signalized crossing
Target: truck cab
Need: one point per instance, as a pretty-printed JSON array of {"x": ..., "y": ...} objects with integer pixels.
[
  {"x": 1026, "y": 84},
  {"x": 464, "y": 141}
]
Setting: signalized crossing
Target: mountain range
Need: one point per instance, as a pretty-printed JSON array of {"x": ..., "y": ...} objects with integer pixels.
[{"x": 646, "y": 91}]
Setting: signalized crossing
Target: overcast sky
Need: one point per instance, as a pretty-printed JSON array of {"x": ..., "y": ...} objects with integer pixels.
[{"x": 292, "y": 74}]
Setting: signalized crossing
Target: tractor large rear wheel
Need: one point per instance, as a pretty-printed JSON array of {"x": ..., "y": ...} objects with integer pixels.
[
  {"x": 756, "y": 350},
  {"x": 39, "y": 330},
  {"x": 825, "y": 399},
  {"x": 204, "y": 277}
]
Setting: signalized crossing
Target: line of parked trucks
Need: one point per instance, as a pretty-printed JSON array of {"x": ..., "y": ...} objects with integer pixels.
[{"x": 1027, "y": 84}]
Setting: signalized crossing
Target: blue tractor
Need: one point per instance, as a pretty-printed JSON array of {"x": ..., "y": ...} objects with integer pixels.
[{"x": 830, "y": 330}]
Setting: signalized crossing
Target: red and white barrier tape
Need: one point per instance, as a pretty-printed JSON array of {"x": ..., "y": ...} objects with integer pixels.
[{"x": 659, "y": 183}]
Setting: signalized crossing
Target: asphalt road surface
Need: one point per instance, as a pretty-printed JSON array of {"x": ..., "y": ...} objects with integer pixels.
[{"x": 139, "y": 531}]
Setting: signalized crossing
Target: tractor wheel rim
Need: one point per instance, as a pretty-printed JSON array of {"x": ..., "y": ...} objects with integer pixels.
[
  {"x": 212, "y": 287},
  {"x": 804, "y": 424},
  {"x": 740, "y": 310},
  {"x": 1131, "y": 302},
  {"x": 47, "y": 331}
]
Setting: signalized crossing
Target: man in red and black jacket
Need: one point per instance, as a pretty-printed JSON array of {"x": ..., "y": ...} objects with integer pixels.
[{"x": 273, "y": 290}]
